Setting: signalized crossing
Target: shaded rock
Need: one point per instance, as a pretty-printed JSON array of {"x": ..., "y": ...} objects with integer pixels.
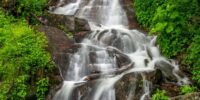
[
  {"x": 71, "y": 23},
  {"x": 167, "y": 70},
  {"x": 154, "y": 76},
  {"x": 60, "y": 47},
  {"x": 53, "y": 2},
  {"x": 57, "y": 39},
  {"x": 59, "y": 44},
  {"x": 79, "y": 27},
  {"x": 172, "y": 89},
  {"x": 62, "y": 22},
  {"x": 129, "y": 87}
]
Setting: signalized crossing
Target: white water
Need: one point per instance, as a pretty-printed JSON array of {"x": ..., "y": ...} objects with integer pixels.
[{"x": 109, "y": 23}]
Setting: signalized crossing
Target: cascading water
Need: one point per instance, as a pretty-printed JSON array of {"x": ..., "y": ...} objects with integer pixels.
[{"x": 110, "y": 52}]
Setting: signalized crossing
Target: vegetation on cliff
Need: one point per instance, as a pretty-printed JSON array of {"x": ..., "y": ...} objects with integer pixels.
[
  {"x": 176, "y": 22},
  {"x": 24, "y": 63}
]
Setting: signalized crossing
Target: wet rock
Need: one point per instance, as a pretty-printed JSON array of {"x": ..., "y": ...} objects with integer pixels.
[
  {"x": 79, "y": 27},
  {"x": 59, "y": 46},
  {"x": 57, "y": 39},
  {"x": 154, "y": 76},
  {"x": 167, "y": 70},
  {"x": 129, "y": 87},
  {"x": 71, "y": 23}
]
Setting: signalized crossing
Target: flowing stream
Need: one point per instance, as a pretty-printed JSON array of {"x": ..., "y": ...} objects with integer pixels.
[{"x": 110, "y": 52}]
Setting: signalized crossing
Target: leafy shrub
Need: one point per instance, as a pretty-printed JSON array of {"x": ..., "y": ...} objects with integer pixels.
[
  {"x": 23, "y": 58},
  {"x": 145, "y": 10},
  {"x": 42, "y": 88},
  {"x": 177, "y": 26},
  {"x": 159, "y": 95},
  {"x": 171, "y": 19},
  {"x": 193, "y": 58},
  {"x": 26, "y": 7},
  {"x": 187, "y": 89}
]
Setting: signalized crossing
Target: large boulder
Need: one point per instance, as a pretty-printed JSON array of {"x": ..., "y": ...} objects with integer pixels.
[
  {"x": 60, "y": 47},
  {"x": 71, "y": 23},
  {"x": 79, "y": 27}
]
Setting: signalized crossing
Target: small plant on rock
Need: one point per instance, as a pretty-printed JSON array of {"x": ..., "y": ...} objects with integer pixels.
[{"x": 160, "y": 95}]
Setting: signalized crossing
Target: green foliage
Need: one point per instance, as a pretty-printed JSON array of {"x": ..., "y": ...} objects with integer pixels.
[
  {"x": 159, "y": 95},
  {"x": 23, "y": 57},
  {"x": 145, "y": 10},
  {"x": 177, "y": 26},
  {"x": 171, "y": 19},
  {"x": 20, "y": 89},
  {"x": 26, "y": 7},
  {"x": 42, "y": 88},
  {"x": 193, "y": 58},
  {"x": 187, "y": 89}
]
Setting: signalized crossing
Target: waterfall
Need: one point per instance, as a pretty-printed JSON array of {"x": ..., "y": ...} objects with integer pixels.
[{"x": 110, "y": 52}]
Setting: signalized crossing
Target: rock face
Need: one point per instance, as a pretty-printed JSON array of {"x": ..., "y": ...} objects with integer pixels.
[
  {"x": 60, "y": 47},
  {"x": 79, "y": 27},
  {"x": 190, "y": 96}
]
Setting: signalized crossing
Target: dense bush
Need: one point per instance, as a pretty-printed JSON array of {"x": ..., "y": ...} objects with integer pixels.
[
  {"x": 172, "y": 19},
  {"x": 26, "y": 7},
  {"x": 193, "y": 58},
  {"x": 176, "y": 22},
  {"x": 146, "y": 9},
  {"x": 187, "y": 89},
  {"x": 159, "y": 95},
  {"x": 23, "y": 60},
  {"x": 42, "y": 88}
]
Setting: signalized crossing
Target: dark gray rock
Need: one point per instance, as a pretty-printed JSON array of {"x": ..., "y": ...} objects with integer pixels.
[
  {"x": 60, "y": 47},
  {"x": 166, "y": 69},
  {"x": 79, "y": 27}
]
